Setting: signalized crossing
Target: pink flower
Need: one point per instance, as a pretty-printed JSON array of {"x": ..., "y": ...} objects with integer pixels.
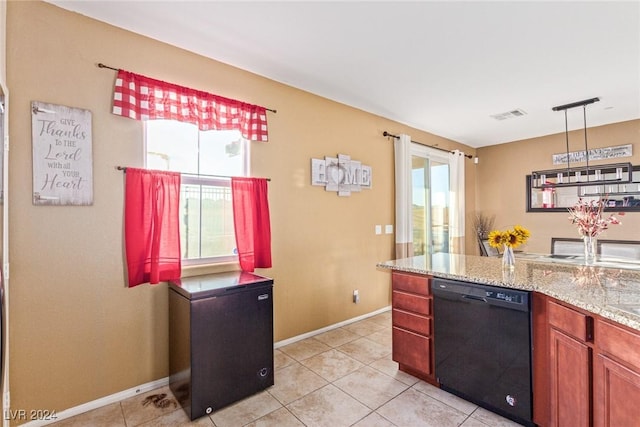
[{"x": 588, "y": 217}]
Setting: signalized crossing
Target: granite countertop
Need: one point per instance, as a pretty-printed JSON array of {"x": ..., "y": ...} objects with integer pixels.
[{"x": 613, "y": 293}]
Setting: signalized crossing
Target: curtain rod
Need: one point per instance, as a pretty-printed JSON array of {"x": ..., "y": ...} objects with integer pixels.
[
  {"x": 385, "y": 133},
  {"x": 124, "y": 169},
  {"x": 101, "y": 65}
]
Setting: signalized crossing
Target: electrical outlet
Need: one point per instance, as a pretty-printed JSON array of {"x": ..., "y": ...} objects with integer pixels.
[{"x": 356, "y": 296}]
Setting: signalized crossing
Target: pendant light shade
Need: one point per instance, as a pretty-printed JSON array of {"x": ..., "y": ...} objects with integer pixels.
[{"x": 613, "y": 173}]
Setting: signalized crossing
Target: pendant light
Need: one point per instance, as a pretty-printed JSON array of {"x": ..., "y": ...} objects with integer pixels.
[{"x": 612, "y": 173}]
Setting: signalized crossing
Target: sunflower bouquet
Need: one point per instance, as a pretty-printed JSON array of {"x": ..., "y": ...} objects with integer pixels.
[{"x": 513, "y": 237}]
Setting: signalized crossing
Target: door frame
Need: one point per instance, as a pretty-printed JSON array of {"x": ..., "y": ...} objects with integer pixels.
[{"x": 430, "y": 154}]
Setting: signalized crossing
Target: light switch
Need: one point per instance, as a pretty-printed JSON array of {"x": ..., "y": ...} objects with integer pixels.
[
  {"x": 388, "y": 229},
  {"x": 378, "y": 229}
]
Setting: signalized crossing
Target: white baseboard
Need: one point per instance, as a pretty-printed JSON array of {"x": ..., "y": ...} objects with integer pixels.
[
  {"x": 134, "y": 391},
  {"x": 328, "y": 328},
  {"x": 103, "y": 401}
]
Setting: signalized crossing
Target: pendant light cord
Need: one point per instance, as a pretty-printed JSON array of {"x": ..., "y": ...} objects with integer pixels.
[
  {"x": 586, "y": 146},
  {"x": 566, "y": 137}
]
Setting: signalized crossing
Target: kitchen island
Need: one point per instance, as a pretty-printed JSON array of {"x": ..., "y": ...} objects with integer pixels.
[
  {"x": 613, "y": 293},
  {"x": 585, "y": 324}
]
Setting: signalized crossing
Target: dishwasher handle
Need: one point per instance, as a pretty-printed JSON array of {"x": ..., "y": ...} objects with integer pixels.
[{"x": 475, "y": 298}]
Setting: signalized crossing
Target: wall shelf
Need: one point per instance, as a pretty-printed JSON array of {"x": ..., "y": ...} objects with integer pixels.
[
  {"x": 622, "y": 196},
  {"x": 618, "y": 173}
]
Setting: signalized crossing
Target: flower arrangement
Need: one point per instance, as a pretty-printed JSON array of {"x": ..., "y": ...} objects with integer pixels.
[
  {"x": 588, "y": 217},
  {"x": 482, "y": 224},
  {"x": 512, "y": 238}
]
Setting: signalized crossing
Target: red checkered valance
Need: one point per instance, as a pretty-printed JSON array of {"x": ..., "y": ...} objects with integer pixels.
[{"x": 143, "y": 98}]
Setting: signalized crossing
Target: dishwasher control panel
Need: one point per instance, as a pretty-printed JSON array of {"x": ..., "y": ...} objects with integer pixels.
[
  {"x": 505, "y": 296},
  {"x": 513, "y": 298}
]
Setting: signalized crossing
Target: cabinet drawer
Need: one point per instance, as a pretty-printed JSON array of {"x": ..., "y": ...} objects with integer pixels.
[
  {"x": 412, "y": 350},
  {"x": 570, "y": 321},
  {"x": 412, "y": 322},
  {"x": 618, "y": 343},
  {"x": 411, "y": 283},
  {"x": 411, "y": 302}
]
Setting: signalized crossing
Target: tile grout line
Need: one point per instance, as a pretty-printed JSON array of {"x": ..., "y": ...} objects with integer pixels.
[{"x": 332, "y": 382}]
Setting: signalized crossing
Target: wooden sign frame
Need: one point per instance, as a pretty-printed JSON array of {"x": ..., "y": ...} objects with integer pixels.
[{"x": 62, "y": 155}]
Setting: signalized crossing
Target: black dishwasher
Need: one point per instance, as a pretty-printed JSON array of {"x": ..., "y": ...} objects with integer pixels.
[
  {"x": 482, "y": 340},
  {"x": 220, "y": 339}
]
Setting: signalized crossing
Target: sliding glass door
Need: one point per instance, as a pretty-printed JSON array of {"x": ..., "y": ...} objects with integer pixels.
[{"x": 430, "y": 204}]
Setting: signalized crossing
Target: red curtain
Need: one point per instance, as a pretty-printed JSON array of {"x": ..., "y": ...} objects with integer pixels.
[
  {"x": 252, "y": 224},
  {"x": 152, "y": 228},
  {"x": 143, "y": 98}
]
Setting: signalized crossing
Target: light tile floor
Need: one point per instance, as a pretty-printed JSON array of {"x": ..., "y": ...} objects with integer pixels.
[{"x": 344, "y": 377}]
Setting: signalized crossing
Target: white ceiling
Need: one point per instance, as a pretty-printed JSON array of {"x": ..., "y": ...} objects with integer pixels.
[{"x": 442, "y": 67}]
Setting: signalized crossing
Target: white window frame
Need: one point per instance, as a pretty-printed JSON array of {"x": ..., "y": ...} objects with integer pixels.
[
  {"x": 207, "y": 180},
  {"x": 431, "y": 155}
]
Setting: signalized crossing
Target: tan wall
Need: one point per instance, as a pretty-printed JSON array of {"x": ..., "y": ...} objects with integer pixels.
[
  {"x": 501, "y": 181},
  {"x": 3, "y": 38},
  {"x": 3, "y": 82},
  {"x": 77, "y": 333}
]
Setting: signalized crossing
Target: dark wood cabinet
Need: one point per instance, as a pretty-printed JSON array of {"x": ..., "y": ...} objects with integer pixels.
[
  {"x": 570, "y": 366},
  {"x": 570, "y": 386},
  {"x": 412, "y": 319},
  {"x": 586, "y": 369},
  {"x": 540, "y": 360},
  {"x": 616, "y": 376}
]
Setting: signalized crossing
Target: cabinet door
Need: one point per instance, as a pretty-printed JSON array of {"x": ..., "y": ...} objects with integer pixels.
[
  {"x": 412, "y": 350},
  {"x": 616, "y": 394},
  {"x": 570, "y": 381},
  {"x": 540, "y": 359}
]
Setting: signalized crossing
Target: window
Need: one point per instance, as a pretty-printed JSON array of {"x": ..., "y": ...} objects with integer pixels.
[
  {"x": 430, "y": 205},
  {"x": 205, "y": 159}
]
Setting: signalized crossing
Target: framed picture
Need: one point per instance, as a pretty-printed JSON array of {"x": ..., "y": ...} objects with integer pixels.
[{"x": 62, "y": 155}]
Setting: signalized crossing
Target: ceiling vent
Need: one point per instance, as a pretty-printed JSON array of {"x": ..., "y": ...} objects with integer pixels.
[{"x": 509, "y": 114}]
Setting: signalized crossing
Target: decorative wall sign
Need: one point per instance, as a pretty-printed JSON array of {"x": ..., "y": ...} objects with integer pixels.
[
  {"x": 594, "y": 154},
  {"x": 62, "y": 155},
  {"x": 340, "y": 174}
]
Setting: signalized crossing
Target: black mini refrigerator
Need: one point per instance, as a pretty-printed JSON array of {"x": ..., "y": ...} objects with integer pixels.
[{"x": 220, "y": 339}]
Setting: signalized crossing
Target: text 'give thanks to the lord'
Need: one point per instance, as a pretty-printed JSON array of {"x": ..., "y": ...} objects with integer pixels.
[{"x": 62, "y": 155}]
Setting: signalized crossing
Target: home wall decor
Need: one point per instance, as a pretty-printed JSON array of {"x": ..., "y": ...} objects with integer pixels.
[
  {"x": 594, "y": 154},
  {"x": 62, "y": 155},
  {"x": 340, "y": 174}
]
